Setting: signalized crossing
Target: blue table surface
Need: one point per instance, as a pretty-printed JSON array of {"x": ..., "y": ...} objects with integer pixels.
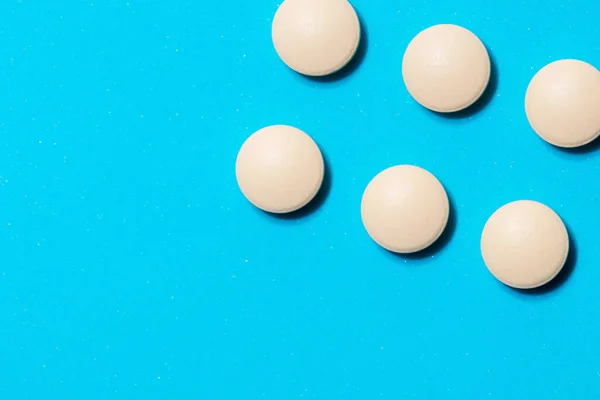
[{"x": 133, "y": 268}]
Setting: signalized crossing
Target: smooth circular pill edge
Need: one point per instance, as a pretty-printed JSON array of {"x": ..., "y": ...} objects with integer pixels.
[
  {"x": 372, "y": 209},
  {"x": 545, "y": 97},
  {"x": 297, "y": 42},
  {"x": 487, "y": 241},
  {"x": 260, "y": 176},
  {"x": 423, "y": 57}
]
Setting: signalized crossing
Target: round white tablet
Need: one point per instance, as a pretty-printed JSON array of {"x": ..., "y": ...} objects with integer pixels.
[
  {"x": 446, "y": 68},
  {"x": 524, "y": 244},
  {"x": 316, "y": 37},
  {"x": 279, "y": 169},
  {"x": 563, "y": 103},
  {"x": 405, "y": 209}
]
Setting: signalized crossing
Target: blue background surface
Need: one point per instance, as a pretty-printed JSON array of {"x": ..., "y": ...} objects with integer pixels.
[{"x": 132, "y": 267}]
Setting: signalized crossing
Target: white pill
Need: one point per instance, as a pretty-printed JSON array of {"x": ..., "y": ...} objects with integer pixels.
[
  {"x": 563, "y": 103},
  {"x": 316, "y": 37},
  {"x": 405, "y": 209},
  {"x": 279, "y": 169},
  {"x": 446, "y": 68},
  {"x": 524, "y": 244}
]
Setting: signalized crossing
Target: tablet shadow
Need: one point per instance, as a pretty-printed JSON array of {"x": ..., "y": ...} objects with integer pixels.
[
  {"x": 591, "y": 147},
  {"x": 483, "y": 101},
  {"x": 316, "y": 202},
  {"x": 562, "y": 276},
  {"x": 440, "y": 243},
  {"x": 354, "y": 63}
]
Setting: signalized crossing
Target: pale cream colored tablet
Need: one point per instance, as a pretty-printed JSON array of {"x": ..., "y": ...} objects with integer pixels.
[
  {"x": 279, "y": 169},
  {"x": 563, "y": 103},
  {"x": 316, "y": 37},
  {"x": 524, "y": 244},
  {"x": 405, "y": 209},
  {"x": 446, "y": 68}
]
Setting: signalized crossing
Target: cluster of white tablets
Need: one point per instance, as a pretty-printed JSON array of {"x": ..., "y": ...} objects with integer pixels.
[{"x": 405, "y": 209}]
